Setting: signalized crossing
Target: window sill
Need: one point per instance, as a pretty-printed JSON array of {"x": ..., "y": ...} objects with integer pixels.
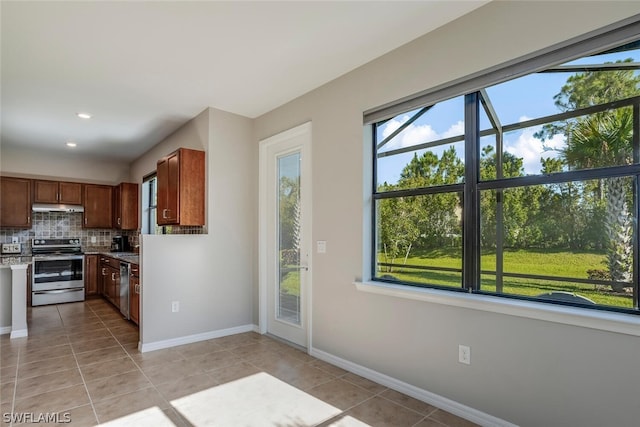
[{"x": 593, "y": 319}]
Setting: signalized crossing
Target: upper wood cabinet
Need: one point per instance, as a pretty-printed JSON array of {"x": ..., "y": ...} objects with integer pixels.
[
  {"x": 181, "y": 180},
  {"x": 15, "y": 202},
  {"x": 98, "y": 206},
  {"x": 57, "y": 192},
  {"x": 125, "y": 206}
]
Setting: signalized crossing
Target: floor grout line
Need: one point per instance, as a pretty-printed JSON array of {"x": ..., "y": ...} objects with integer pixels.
[{"x": 73, "y": 352}]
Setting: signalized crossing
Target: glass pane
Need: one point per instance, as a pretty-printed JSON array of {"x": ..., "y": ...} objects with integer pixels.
[
  {"x": 288, "y": 300},
  {"x": 404, "y": 162},
  {"x": 419, "y": 239},
  {"x": 570, "y": 241}
]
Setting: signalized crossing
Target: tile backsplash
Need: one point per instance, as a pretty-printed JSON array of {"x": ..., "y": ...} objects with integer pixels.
[{"x": 61, "y": 225}]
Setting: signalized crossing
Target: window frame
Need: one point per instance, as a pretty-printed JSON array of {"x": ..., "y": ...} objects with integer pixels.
[
  {"x": 149, "y": 207},
  {"x": 472, "y": 88}
]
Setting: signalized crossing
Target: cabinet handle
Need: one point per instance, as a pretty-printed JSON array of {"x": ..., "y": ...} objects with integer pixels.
[
  {"x": 28, "y": 220},
  {"x": 164, "y": 213},
  {"x": 118, "y": 221},
  {"x": 113, "y": 276},
  {"x": 104, "y": 273},
  {"x": 58, "y": 197},
  {"x": 85, "y": 220}
]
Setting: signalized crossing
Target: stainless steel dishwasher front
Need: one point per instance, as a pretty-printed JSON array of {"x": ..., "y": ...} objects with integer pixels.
[{"x": 125, "y": 272}]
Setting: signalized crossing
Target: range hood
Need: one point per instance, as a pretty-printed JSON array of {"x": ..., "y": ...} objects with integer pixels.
[{"x": 53, "y": 207}]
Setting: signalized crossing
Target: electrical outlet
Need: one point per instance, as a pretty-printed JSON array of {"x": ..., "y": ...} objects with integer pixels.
[
  {"x": 464, "y": 354},
  {"x": 93, "y": 239},
  {"x": 175, "y": 306}
]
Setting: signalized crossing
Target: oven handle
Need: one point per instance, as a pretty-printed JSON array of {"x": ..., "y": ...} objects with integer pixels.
[
  {"x": 58, "y": 291},
  {"x": 57, "y": 257}
]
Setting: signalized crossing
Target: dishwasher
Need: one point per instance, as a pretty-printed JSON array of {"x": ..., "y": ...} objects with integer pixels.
[{"x": 125, "y": 272}]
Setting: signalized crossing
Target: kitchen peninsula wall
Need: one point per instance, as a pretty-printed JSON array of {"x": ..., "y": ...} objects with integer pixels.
[{"x": 62, "y": 225}]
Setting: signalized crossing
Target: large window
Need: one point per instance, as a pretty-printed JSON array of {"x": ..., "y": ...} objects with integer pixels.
[{"x": 527, "y": 188}]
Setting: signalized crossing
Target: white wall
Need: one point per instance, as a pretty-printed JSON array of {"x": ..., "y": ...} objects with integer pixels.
[
  {"x": 528, "y": 372},
  {"x": 5, "y": 297},
  {"x": 211, "y": 275},
  {"x": 58, "y": 166}
]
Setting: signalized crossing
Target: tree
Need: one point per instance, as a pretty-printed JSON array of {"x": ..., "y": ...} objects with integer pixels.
[{"x": 601, "y": 140}]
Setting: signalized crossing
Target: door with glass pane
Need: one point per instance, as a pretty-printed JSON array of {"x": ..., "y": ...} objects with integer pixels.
[{"x": 285, "y": 234}]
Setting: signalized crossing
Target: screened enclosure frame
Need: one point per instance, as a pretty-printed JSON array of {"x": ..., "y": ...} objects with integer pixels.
[{"x": 476, "y": 101}]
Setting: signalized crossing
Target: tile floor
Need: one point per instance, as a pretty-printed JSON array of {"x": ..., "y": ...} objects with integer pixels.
[{"x": 81, "y": 362}]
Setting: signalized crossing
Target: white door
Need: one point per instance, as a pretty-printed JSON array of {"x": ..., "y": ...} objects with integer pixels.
[{"x": 285, "y": 234}]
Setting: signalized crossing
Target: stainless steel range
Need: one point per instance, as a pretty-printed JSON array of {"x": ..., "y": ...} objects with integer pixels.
[{"x": 58, "y": 271}]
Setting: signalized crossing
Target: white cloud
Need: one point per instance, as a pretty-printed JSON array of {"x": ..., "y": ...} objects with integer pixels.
[
  {"x": 531, "y": 149},
  {"x": 416, "y": 134}
]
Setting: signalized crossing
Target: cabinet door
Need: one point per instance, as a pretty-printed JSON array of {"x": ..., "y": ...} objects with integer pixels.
[
  {"x": 70, "y": 193},
  {"x": 102, "y": 279},
  {"x": 90, "y": 275},
  {"x": 168, "y": 174},
  {"x": 173, "y": 190},
  {"x": 125, "y": 203},
  {"x": 98, "y": 202},
  {"x": 117, "y": 210},
  {"x": 15, "y": 202},
  {"x": 45, "y": 191}
]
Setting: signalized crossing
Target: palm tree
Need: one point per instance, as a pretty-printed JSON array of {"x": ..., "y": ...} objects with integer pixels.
[{"x": 601, "y": 140}]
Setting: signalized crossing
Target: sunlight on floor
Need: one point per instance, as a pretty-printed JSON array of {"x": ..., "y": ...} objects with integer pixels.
[
  {"x": 348, "y": 421},
  {"x": 256, "y": 400},
  {"x": 151, "y": 417}
]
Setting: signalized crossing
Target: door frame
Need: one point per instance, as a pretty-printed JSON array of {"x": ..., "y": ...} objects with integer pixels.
[{"x": 303, "y": 130}]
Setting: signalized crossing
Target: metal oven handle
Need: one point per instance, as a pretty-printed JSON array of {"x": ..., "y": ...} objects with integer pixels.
[
  {"x": 57, "y": 291},
  {"x": 56, "y": 257}
]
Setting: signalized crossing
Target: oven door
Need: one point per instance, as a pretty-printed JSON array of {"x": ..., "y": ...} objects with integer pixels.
[{"x": 54, "y": 272}]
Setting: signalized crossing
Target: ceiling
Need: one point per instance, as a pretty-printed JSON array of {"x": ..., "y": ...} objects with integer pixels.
[{"x": 142, "y": 69}]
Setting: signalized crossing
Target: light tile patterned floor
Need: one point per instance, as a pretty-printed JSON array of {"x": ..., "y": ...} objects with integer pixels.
[{"x": 81, "y": 361}]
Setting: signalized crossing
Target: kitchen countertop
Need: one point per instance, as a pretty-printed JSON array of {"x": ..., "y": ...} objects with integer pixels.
[
  {"x": 7, "y": 261},
  {"x": 131, "y": 257}
]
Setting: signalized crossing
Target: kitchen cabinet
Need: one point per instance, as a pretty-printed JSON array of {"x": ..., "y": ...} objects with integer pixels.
[
  {"x": 15, "y": 205},
  {"x": 110, "y": 273},
  {"x": 134, "y": 294},
  {"x": 57, "y": 192},
  {"x": 181, "y": 182},
  {"x": 98, "y": 206},
  {"x": 91, "y": 275},
  {"x": 125, "y": 206}
]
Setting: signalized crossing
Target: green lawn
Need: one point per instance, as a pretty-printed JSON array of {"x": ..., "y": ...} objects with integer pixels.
[{"x": 548, "y": 263}]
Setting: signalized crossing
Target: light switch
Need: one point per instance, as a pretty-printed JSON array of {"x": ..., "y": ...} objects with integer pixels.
[{"x": 321, "y": 246}]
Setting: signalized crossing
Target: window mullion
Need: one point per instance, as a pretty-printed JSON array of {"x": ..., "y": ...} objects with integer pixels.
[
  {"x": 636, "y": 207},
  {"x": 471, "y": 208}
]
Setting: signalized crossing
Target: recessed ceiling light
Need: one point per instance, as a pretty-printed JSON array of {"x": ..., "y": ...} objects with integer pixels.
[
  {"x": 84, "y": 115},
  {"x": 71, "y": 144}
]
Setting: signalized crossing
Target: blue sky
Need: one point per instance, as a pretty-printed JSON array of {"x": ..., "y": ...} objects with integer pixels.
[{"x": 514, "y": 101}]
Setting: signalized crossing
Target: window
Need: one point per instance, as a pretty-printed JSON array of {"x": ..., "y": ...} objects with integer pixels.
[
  {"x": 527, "y": 188},
  {"x": 150, "y": 204}
]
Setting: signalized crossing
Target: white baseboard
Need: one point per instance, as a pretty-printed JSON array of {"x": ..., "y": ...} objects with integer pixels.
[
  {"x": 189, "y": 339},
  {"x": 19, "y": 333},
  {"x": 441, "y": 402},
  {"x": 5, "y": 330}
]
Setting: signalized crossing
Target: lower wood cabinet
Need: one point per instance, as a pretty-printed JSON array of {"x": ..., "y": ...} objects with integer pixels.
[
  {"x": 110, "y": 275},
  {"x": 91, "y": 277}
]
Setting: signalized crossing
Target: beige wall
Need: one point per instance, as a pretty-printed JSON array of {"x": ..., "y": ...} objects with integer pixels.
[
  {"x": 528, "y": 372},
  {"x": 58, "y": 166},
  {"x": 194, "y": 134},
  {"x": 211, "y": 275}
]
